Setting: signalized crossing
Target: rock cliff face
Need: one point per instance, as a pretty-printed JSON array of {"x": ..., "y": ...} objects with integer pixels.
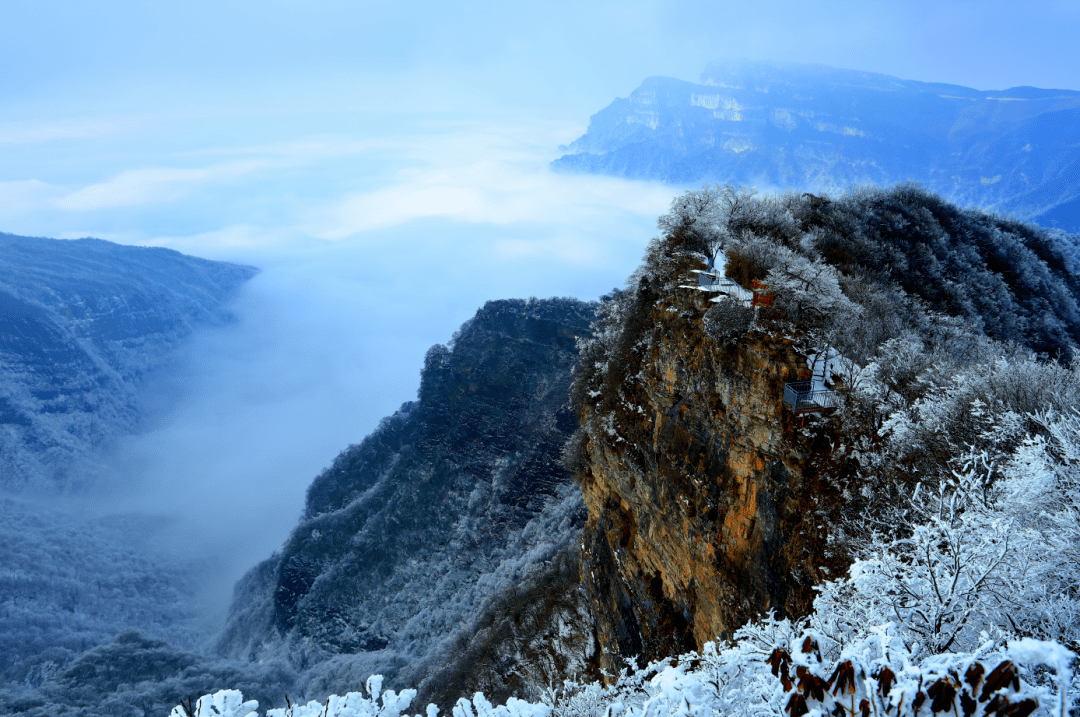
[
  {"x": 817, "y": 128},
  {"x": 704, "y": 495},
  {"x": 439, "y": 552}
]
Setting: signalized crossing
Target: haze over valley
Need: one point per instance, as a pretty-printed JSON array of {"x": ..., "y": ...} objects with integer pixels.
[{"x": 280, "y": 407}]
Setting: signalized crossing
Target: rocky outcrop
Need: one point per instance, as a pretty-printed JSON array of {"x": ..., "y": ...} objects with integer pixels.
[
  {"x": 706, "y": 498},
  {"x": 435, "y": 552}
]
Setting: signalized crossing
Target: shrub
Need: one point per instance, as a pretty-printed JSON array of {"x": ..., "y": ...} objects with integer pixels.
[{"x": 727, "y": 320}]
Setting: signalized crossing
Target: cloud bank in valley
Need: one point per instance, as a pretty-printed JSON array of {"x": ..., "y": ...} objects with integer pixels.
[
  {"x": 385, "y": 165},
  {"x": 330, "y": 336}
]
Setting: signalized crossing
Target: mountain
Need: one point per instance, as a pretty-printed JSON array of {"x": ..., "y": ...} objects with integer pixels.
[
  {"x": 820, "y": 129},
  {"x": 735, "y": 457},
  {"x": 579, "y": 485},
  {"x": 81, "y": 322},
  {"x": 441, "y": 550}
]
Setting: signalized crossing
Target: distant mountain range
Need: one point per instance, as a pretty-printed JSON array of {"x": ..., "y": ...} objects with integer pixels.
[
  {"x": 81, "y": 322},
  {"x": 819, "y": 129}
]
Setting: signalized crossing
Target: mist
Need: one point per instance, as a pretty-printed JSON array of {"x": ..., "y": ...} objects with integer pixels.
[
  {"x": 385, "y": 166},
  {"x": 330, "y": 336}
]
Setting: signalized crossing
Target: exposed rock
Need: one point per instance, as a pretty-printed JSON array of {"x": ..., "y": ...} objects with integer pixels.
[{"x": 704, "y": 494}]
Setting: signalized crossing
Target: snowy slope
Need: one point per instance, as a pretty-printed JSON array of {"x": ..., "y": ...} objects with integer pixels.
[
  {"x": 80, "y": 323},
  {"x": 452, "y": 508}
]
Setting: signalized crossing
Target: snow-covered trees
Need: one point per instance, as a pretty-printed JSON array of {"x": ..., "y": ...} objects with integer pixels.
[
  {"x": 707, "y": 219},
  {"x": 728, "y": 319},
  {"x": 773, "y": 669},
  {"x": 984, "y": 540}
]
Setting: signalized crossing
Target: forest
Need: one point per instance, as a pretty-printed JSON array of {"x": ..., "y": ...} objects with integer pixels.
[{"x": 948, "y": 337}]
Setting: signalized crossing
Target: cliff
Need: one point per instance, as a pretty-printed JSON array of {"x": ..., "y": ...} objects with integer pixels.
[
  {"x": 704, "y": 496},
  {"x": 439, "y": 551},
  {"x": 710, "y": 503}
]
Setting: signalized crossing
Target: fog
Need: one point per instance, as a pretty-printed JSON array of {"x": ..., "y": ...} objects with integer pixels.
[
  {"x": 385, "y": 166},
  {"x": 330, "y": 336}
]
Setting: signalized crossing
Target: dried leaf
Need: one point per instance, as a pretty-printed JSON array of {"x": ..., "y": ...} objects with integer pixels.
[{"x": 943, "y": 695}]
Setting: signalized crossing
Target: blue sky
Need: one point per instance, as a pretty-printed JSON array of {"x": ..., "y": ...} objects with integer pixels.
[
  {"x": 553, "y": 51},
  {"x": 214, "y": 124},
  {"x": 348, "y": 148}
]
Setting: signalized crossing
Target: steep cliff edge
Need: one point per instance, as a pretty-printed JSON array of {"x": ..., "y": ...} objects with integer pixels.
[
  {"x": 439, "y": 552},
  {"x": 704, "y": 500},
  {"x": 710, "y": 503}
]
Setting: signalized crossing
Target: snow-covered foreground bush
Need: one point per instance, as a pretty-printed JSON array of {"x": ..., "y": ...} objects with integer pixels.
[
  {"x": 773, "y": 669},
  {"x": 230, "y": 703},
  {"x": 962, "y": 607}
]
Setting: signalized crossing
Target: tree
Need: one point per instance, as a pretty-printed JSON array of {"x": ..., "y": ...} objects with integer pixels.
[{"x": 707, "y": 219}]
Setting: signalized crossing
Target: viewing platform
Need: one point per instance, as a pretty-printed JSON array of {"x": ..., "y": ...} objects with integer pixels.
[
  {"x": 804, "y": 397},
  {"x": 712, "y": 282}
]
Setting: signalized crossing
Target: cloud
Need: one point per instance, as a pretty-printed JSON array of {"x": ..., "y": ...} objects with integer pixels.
[
  {"x": 26, "y": 195},
  {"x": 169, "y": 184},
  {"x": 484, "y": 176},
  {"x": 486, "y": 192},
  {"x": 36, "y": 131},
  {"x": 144, "y": 186},
  {"x": 564, "y": 248},
  {"x": 307, "y": 149}
]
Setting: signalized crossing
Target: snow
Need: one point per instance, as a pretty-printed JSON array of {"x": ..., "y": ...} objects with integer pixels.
[{"x": 771, "y": 667}]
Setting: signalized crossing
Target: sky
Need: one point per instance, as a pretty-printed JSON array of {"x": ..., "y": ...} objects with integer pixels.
[{"x": 385, "y": 165}]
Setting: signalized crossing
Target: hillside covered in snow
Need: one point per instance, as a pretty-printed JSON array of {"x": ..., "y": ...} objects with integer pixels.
[{"x": 81, "y": 322}]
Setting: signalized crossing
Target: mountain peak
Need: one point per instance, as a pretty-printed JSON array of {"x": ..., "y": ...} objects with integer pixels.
[{"x": 821, "y": 129}]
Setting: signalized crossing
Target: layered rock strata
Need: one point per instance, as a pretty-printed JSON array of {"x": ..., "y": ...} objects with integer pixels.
[{"x": 705, "y": 495}]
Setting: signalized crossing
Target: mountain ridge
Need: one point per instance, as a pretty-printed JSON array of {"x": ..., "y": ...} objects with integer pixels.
[
  {"x": 437, "y": 517},
  {"x": 83, "y": 321},
  {"x": 821, "y": 129}
]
